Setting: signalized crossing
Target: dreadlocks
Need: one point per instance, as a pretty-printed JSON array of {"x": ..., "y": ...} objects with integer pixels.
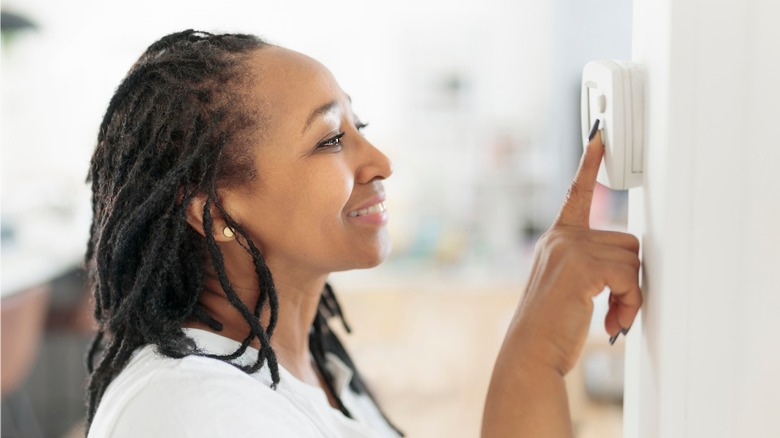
[{"x": 177, "y": 127}]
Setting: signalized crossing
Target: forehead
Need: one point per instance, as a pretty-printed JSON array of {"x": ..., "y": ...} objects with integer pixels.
[{"x": 289, "y": 85}]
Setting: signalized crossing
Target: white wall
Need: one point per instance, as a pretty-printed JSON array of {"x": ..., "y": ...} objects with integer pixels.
[{"x": 704, "y": 361}]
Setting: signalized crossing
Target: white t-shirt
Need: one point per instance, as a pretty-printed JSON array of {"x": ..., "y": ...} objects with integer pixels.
[{"x": 197, "y": 397}]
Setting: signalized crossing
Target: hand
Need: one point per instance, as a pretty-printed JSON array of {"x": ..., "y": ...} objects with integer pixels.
[{"x": 572, "y": 264}]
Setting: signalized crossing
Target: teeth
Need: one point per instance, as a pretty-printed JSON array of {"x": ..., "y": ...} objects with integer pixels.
[{"x": 376, "y": 208}]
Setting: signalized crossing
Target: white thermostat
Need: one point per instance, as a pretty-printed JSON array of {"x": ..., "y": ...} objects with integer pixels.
[{"x": 613, "y": 93}]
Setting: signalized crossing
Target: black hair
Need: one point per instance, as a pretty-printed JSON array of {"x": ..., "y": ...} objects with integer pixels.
[{"x": 178, "y": 126}]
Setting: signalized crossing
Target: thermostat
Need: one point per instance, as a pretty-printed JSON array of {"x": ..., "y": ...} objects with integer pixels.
[{"x": 613, "y": 93}]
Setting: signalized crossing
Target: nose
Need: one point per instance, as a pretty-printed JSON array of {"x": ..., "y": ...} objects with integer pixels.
[{"x": 374, "y": 165}]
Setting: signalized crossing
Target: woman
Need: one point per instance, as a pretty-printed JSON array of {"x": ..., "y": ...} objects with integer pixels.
[{"x": 229, "y": 179}]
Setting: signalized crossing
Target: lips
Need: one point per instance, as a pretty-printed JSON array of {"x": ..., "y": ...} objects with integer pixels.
[
  {"x": 374, "y": 205},
  {"x": 376, "y": 208}
]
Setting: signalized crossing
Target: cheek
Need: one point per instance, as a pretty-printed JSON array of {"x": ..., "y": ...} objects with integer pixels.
[
  {"x": 304, "y": 211},
  {"x": 325, "y": 209},
  {"x": 321, "y": 195}
]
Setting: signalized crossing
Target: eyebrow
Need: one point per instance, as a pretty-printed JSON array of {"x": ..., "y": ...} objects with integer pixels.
[{"x": 319, "y": 112}]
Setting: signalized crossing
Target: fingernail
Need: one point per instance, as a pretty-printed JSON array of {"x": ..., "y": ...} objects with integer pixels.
[
  {"x": 625, "y": 331},
  {"x": 614, "y": 338},
  {"x": 594, "y": 130}
]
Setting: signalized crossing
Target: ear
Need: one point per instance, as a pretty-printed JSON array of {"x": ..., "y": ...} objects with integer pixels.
[{"x": 220, "y": 231}]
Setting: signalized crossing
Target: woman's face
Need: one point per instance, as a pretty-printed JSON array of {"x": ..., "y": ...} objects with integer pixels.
[{"x": 317, "y": 203}]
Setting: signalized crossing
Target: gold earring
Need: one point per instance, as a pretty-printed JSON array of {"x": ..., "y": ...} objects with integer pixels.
[{"x": 228, "y": 232}]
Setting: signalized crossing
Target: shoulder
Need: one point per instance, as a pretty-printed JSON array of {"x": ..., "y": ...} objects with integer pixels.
[{"x": 193, "y": 397}]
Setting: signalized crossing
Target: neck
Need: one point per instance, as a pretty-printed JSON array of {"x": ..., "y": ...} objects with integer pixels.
[
  {"x": 299, "y": 296},
  {"x": 298, "y": 304}
]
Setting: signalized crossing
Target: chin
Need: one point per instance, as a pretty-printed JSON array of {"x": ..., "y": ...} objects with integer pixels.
[
  {"x": 370, "y": 259},
  {"x": 382, "y": 256},
  {"x": 376, "y": 259}
]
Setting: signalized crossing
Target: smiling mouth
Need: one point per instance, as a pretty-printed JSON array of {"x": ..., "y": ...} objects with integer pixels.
[{"x": 376, "y": 208}]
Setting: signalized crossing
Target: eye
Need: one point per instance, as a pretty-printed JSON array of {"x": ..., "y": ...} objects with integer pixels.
[
  {"x": 332, "y": 142},
  {"x": 360, "y": 126}
]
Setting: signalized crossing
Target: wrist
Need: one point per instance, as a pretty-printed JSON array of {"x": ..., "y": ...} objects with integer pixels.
[{"x": 528, "y": 346}]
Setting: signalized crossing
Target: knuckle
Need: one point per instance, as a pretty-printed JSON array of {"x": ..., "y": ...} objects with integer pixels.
[
  {"x": 545, "y": 237},
  {"x": 558, "y": 245},
  {"x": 631, "y": 274},
  {"x": 633, "y": 242},
  {"x": 636, "y": 264},
  {"x": 552, "y": 244},
  {"x": 623, "y": 240},
  {"x": 541, "y": 242}
]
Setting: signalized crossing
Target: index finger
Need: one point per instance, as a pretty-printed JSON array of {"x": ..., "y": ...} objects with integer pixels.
[{"x": 576, "y": 208}]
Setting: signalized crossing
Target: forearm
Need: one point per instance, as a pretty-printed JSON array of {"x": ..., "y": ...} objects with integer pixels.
[{"x": 525, "y": 400}]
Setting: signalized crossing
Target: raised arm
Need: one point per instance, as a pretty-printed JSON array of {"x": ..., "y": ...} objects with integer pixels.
[{"x": 572, "y": 264}]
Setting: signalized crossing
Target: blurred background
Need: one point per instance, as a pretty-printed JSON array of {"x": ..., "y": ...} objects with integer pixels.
[{"x": 475, "y": 102}]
